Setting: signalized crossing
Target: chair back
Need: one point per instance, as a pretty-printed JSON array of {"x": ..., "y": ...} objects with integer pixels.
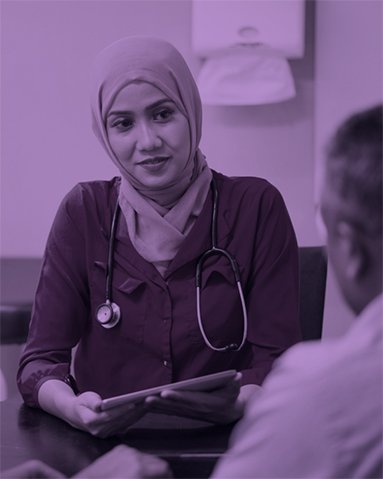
[
  {"x": 313, "y": 272},
  {"x": 18, "y": 282}
]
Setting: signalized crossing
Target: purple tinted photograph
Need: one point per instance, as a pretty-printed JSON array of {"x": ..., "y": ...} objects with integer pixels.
[{"x": 191, "y": 250}]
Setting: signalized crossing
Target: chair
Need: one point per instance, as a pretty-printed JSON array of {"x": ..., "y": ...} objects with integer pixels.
[
  {"x": 313, "y": 272},
  {"x": 14, "y": 320},
  {"x": 18, "y": 281}
]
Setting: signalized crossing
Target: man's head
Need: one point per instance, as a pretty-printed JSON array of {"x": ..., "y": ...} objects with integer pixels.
[{"x": 351, "y": 206}]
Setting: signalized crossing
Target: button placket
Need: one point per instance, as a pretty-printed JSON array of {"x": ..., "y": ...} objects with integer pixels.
[{"x": 166, "y": 322}]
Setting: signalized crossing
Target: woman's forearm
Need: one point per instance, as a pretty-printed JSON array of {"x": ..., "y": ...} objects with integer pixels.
[{"x": 57, "y": 398}]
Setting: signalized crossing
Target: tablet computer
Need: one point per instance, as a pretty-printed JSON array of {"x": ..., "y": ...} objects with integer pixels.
[{"x": 202, "y": 383}]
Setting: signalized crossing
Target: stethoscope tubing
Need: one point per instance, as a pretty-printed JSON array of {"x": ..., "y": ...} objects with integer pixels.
[
  {"x": 109, "y": 270},
  {"x": 214, "y": 250},
  {"x": 232, "y": 346},
  {"x": 112, "y": 309}
]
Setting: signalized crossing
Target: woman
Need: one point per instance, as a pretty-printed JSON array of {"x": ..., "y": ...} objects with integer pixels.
[{"x": 147, "y": 115}]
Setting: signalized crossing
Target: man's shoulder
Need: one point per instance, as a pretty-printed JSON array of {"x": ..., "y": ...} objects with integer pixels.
[
  {"x": 302, "y": 364},
  {"x": 313, "y": 410},
  {"x": 331, "y": 366}
]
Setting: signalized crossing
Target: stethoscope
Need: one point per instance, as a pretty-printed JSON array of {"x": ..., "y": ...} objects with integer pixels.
[{"x": 108, "y": 314}]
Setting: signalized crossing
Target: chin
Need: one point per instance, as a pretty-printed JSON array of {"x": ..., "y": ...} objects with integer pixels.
[{"x": 155, "y": 183}]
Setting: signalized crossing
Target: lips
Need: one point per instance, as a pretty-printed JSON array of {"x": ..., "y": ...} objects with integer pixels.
[{"x": 155, "y": 160}]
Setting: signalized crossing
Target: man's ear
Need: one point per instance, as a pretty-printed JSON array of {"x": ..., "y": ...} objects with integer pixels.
[{"x": 353, "y": 250}]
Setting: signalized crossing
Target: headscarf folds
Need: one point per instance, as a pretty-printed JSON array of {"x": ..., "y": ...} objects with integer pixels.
[{"x": 157, "y": 219}]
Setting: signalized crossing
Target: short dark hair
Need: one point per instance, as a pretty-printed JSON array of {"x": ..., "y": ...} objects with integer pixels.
[{"x": 354, "y": 166}]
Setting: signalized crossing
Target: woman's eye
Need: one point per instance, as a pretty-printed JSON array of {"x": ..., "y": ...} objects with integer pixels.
[
  {"x": 122, "y": 123},
  {"x": 163, "y": 114}
]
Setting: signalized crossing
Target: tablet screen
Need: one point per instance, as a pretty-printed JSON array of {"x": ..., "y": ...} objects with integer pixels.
[{"x": 202, "y": 383}]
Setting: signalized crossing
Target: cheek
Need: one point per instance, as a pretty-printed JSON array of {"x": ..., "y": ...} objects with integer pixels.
[
  {"x": 121, "y": 146},
  {"x": 179, "y": 137}
]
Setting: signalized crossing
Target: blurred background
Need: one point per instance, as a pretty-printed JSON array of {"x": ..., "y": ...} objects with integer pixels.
[{"x": 47, "y": 48}]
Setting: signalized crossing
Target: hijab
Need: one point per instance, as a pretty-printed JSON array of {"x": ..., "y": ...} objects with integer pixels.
[{"x": 158, "y": 219}]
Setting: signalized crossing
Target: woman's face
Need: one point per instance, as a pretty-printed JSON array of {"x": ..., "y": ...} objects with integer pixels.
[{"x": 148, "y": 134}]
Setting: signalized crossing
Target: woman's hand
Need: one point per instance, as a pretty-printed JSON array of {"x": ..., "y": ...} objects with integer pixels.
[
  {"x": 220, "y": 406},
  {"x": 85, "y": 414},
  {"x": 84, "y": 411}
]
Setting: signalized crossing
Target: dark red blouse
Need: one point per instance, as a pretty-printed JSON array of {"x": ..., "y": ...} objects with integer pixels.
[{"x": 158, "y": 339}]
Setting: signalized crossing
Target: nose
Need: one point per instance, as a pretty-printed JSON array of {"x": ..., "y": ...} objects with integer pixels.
[{"x": 147, "y": 137}]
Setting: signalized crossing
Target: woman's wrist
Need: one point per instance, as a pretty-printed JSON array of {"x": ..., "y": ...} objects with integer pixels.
[{"x": 57, "y": 398}]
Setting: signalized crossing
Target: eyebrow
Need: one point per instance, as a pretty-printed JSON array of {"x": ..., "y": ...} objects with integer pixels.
[{"x": 150, "y": 107}]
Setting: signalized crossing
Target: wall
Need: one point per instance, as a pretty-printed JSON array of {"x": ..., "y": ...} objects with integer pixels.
[
  {"x": 48, "y": 145},
  {"x": 348, "y": 77},
  {"x": 47, "y": 142}
]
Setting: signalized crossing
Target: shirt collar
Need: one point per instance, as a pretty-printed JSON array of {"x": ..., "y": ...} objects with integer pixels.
[{"x": 373, "y": 309}]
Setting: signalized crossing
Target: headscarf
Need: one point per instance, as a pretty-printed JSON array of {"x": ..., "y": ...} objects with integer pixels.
[{"x": 156, "y": 234}]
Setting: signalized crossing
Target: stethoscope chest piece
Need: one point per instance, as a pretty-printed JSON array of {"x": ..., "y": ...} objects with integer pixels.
[{"x": 108, "y": 314}]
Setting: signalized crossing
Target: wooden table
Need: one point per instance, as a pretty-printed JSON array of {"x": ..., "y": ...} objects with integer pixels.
[{"x": 191, "y": 448}]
